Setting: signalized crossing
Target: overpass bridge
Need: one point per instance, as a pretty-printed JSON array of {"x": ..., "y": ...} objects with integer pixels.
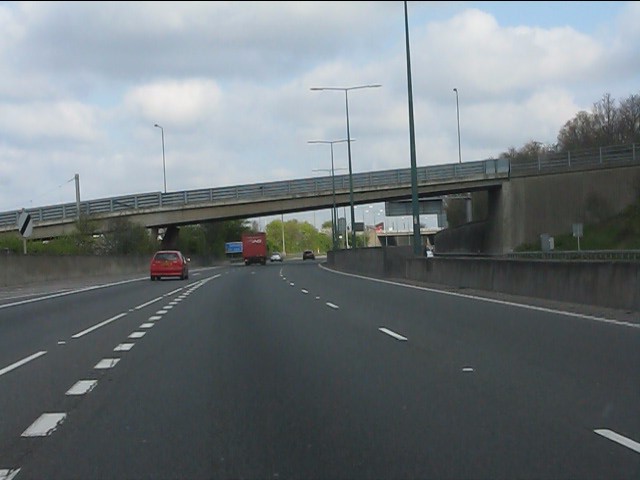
[
  {"x": 510, "y": 209},
  {"x": 158, "y": 210}
]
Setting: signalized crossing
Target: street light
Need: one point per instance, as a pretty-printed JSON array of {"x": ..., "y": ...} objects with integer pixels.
[
  {"x": 415, "y": 208},
  {"x": 458, "y": 114},
  {"x": 164, "y": 170},
  {"x": 346, "y": 100},
  {"x": 333, "y": 186}
]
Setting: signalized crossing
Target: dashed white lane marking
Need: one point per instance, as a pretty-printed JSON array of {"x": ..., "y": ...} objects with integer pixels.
[
  {"x": 304, "y": 291},
  {"x": 82, "y": 387},
  {"x": 137, "y": 334},
  {"x": 317, "y": 298},
  {"x": 106, "y": 363},
  {"x": 60, "y": 342},
  {"x": 44, "y": 425},
  {"x": 332, "y": 305},
  {"x": 124, "y": 347},
  {"x": 153, "y": 318},
  {"x": 146, "y": 325},
  {"x": 468, "y": 369},
  {"x": 168, "y": 307},
  {"x": 292, "y": 284},
  {"x": 8, "y": 474},
  {"x": 161, "y": 312},
  {"x": 393, "y": 334},
  {"x": 95, "y": 327},
  {"x": 622, "y": 440},
  {"x": 148, "y": 303},
  {"x": 19, "y": 363},
  {"x": 173, "y": 303}
]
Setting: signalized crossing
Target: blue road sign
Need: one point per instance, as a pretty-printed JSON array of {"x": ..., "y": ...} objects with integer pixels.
[{"x": 233, "y": 247}]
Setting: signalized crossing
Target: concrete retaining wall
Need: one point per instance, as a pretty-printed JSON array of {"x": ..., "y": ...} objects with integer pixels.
[
  {"x": 611, "y": 284},
  {"x": 30, "y": 269}
]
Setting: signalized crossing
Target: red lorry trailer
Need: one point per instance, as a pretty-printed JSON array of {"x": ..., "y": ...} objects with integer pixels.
[{"x": 254, "y": 248}]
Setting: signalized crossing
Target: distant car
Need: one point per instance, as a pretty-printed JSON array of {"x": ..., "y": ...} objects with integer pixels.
[
  {"x": 308, "y": 255},
  {"x": 276, "y": 257},
  {"x": 169, "y": 263}
]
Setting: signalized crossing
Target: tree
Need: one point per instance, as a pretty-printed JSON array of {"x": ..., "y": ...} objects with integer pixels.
[
  {"x": 629, "y": 120},
  {"x": 605, "y": 121},
  {"x": 125, "y": 237},
  {"x": 577, "y": 133},
  {"x": 217, "y": 233},
  {"x": 192, "y": 240}
]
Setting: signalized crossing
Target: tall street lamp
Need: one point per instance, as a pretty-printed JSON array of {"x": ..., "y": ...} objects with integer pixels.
[
  {"x": 164, "y": 169},
  {"x": 346, "y": 100},
  {"x": 334, "y": 214},
  {"x": 415, "y": 209},
  {"x": 458, "y": 115}
]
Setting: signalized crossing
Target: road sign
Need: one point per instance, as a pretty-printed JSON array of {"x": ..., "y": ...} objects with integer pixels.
[
  {"x": 25, "y": 224},
  {"x": 578, "y": 232},
  {"x": 233, "y": 247}
]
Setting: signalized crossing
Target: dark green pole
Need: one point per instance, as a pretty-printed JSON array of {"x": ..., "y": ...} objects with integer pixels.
[{"x": 417, "y": 239}]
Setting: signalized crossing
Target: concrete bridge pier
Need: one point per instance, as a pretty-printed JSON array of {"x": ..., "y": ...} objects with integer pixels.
[{"x": 170, "y": 238}]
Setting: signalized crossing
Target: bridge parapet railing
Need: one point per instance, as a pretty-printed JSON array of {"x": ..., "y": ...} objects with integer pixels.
[
  {"x": 278, "y": 189},
  {"x": 616, "y": 155}
]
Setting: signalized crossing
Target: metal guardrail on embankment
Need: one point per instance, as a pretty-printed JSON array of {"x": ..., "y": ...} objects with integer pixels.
[
  {"x": 307, "y": 187},
  {"x": 633, "y": 255},
  {"x": 587, "y": 159}
]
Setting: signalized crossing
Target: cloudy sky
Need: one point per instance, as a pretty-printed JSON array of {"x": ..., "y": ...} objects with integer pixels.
[{"x": 84, "y": 83}]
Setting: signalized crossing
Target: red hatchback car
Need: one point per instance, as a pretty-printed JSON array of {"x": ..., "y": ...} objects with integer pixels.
[{"x": 169, "y": 263}]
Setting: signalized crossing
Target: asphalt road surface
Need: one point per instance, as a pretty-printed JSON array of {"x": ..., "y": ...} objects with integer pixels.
[{"x": 291, "y": 371}]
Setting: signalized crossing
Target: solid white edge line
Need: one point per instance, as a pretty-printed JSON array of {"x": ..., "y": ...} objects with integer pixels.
[
  {"x": 622, "y": 440},
  {"x": 393, "y": 334},
  {"x": 87, "y": 289},
  {"x": 492, "y": 300},
  {"x": 44, "y": 425},
  {"x": 69, "y": 292},
  {"x": 9, "y": 474},
  {"x": 20, "y": 363},
  {"x": 81, "y": 387},
  {"x": 99, "y": 325}
]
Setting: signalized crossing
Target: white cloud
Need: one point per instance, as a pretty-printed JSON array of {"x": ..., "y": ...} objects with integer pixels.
[
  {"x": 83, "y": 84},
  {"x": 182, "y": 103}
]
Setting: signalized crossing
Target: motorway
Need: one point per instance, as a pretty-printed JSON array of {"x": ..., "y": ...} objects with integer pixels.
[{"x": 292, "y": 371}]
